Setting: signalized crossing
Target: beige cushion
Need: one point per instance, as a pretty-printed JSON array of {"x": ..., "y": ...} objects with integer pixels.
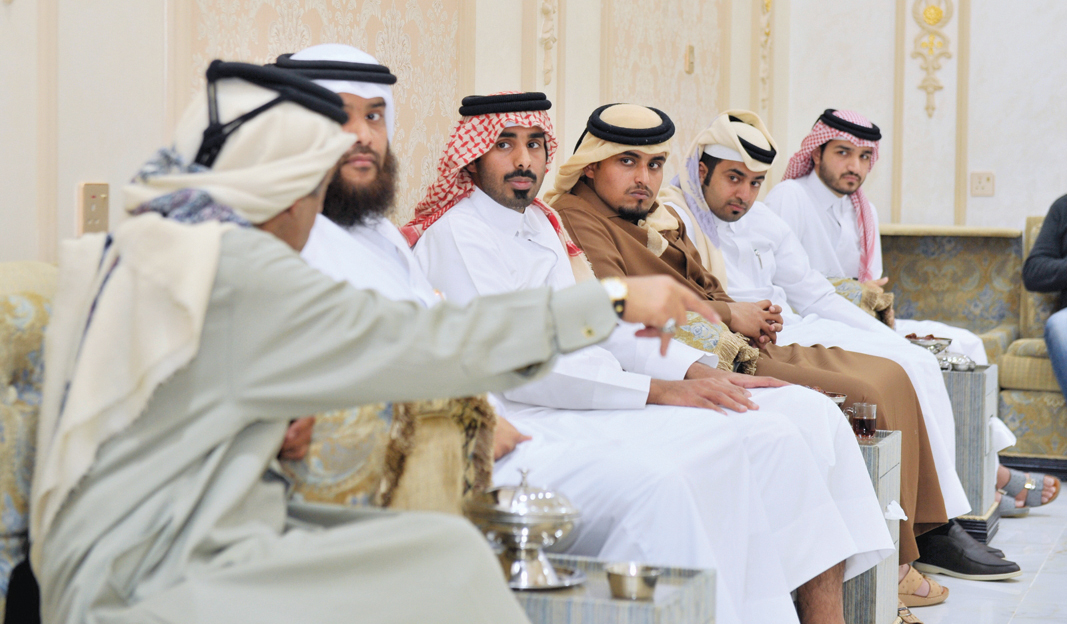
[
  {"x": 28, "y": 277},
  {"x": 1026, "y": 367},
  {"x": 997, "y": 340}
]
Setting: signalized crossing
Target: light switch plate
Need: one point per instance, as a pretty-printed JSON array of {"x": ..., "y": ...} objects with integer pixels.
[
  {"x": 93, "y": 208},
  {"x": 982, "y": 183}
]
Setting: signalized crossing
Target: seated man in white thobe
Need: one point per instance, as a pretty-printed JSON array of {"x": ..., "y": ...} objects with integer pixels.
[
  {"x": 182, "y": 345},
  {"x": 480, "y": 231},
  {"x": 724, "y": 170},
  {"x": 822, "y": 200}
]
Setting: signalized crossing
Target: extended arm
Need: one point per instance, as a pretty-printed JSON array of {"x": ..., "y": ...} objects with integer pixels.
[{"x": 310, "y": 344}]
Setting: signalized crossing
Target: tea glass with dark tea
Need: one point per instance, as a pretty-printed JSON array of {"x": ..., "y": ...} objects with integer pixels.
[{"x": 863, "y": 417}]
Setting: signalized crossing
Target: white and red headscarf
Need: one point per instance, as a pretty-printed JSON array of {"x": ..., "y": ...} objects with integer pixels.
[
  {"x": 471, "y": 138},
  {"x": 801, "y": 165}
]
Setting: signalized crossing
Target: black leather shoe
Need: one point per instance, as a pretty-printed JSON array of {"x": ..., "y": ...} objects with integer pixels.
[
  {"x": 996, "y": 552},
  {"x": 955, "y": 553}
]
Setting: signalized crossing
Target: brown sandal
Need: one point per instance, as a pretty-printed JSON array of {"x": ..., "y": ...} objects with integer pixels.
[
  {"x": 905, "y": 616},
  {"x": 911, "y": 583}
]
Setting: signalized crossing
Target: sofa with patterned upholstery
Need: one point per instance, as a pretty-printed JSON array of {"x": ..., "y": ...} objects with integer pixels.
[
  {"x": 972, "y": 278},
  {"x": 1031, "y": 401},
  {"x": 26, "y": 288}
]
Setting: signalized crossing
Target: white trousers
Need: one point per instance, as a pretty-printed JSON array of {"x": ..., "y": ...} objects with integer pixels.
[
  {"x": 768, "y": 498},
  {"x": 925, "y": 375}
]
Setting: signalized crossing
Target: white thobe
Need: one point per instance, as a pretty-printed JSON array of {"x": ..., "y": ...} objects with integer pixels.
[
  {"x": 827, "y": 228},
  {"x": 764, "y": 260},
  {"x": 175, "y": 520},
  {"x": 663, "y": 484}
]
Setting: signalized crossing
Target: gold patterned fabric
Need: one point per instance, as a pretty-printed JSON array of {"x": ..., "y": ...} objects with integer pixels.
[
  {"x": 871, "y": 300},
  {"x": 732, "y": 348},
  {"x": 997, "y": 340},
  {"x": 417, "y": 456},
  {"x": 1026, "y": 366},
  {"x": 1038, "y": 419},
  {"x": 23, "y": 318},
  {"x": 966, "y": 281}
]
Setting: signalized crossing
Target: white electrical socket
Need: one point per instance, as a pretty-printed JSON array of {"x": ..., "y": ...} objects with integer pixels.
[
  {"x": 93, "y": 208},
  {"x": 982, "y": 184}
]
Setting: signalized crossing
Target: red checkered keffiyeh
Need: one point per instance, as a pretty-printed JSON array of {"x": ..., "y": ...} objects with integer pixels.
[
  {"x": 471, "y": 138},
  {"x": 801, "y": 165}
]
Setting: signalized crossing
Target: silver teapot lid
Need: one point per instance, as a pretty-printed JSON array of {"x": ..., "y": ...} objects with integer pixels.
[{"x": 522, "y": 501}]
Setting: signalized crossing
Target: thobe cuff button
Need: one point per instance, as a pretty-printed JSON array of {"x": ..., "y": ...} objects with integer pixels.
[{"x": 589, "y": 332}]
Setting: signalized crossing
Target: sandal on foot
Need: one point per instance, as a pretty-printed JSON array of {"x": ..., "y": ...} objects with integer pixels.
[
  {"x": 911, "y": 583},
  {"x": 1034, "y": 485},
  {"x": 905, "y": 616},
  {"x": 1007, "y": 508}
]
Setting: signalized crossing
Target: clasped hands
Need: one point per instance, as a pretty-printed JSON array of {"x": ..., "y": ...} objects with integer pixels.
[{"x": 760, "y": 321}]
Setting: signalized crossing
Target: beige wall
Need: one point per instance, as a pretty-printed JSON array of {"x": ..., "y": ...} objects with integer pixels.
[
  {"x": 418, "y": 41},
  {"x": 1002, "y": 113},
  {"x": 100, "y": 85},
  {"x": 18, "y": 131},
  {"x": 844, "y": 68},
  {"x": 1018, "y": 108},
  {"x": 647, "y": 46}
]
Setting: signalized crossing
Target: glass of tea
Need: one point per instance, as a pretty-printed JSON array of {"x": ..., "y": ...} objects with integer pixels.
[{"x": 863, "y": 417}]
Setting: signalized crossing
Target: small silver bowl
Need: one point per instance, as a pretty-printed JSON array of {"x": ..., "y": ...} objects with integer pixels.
[
  {"x": 837, "y": 398},
  {"x": 631, "y": 580},
  {"x": 935, "y": 346}
]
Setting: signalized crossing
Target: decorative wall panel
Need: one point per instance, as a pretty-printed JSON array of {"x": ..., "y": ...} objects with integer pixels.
[
  {"x": 649, "y": 57},
  {"x": 931, "y": 45},
  {"x": 416, "y": 39}
]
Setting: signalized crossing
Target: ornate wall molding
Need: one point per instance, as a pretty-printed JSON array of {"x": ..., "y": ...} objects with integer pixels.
[
  {"x": 548, "y": 38},
  {"x": 931, "y": 45},
  {"x": 764, "y": 99},
  {"x": 647, "y": 63}
]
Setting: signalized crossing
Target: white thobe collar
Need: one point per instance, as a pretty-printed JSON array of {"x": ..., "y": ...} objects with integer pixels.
[
  {"x": 512, "y": 223},
  {"x": 371, "y": 256},
  {"x": 838, "y": 216},
  {"x": 554, "y": 267}
]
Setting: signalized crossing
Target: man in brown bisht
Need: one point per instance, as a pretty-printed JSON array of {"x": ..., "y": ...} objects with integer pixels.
[{"x": 605, "y": 193}]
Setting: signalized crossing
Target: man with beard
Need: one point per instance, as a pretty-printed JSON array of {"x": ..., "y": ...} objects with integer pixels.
[
  {"x": 715, "y": 198},
  {"x": 620, "y": 431},
  {"x": 606, "y": 194},
  {"x": 182, "y": 344},
  {"x": 822, "y": 200},
  {"x": 353, "y": 239}
]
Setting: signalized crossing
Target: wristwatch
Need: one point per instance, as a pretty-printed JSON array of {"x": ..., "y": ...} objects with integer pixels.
[{"x": 617, "y": 291}]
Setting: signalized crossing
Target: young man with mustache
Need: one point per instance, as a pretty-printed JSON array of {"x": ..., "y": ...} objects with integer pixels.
[{"x": 630, "y": 437}]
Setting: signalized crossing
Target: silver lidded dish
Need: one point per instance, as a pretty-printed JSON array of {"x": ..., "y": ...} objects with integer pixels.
[
  {"x": 523, "y": 521},
  {"x": 955, "y": 361}
]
